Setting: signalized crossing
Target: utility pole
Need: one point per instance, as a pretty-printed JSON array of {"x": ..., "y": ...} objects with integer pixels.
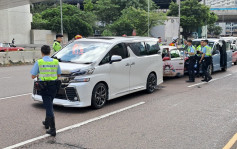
[
  {"x": 204, "y": 2},
  {"x": 61, "y": 11},
  {"x": 148, "y": 34},
  {"x": 179, "y": 21}
]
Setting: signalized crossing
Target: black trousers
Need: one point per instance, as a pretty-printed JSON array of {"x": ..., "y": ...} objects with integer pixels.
[
  {"x": 48, "y": 94},
  {"x": 205, "y": 63},
  {"x": 192, "y": 61},
  {"x": 198, "y": 58}
]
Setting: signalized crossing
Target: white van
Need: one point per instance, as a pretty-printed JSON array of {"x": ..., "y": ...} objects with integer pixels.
[{"x": 95, "y": 70}]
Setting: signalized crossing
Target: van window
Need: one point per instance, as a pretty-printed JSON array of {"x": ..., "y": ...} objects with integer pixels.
[
  {"x": 152, "y": 48},
  {"x": 119, "y": 49},
  {"x": 138, "y": 48}
]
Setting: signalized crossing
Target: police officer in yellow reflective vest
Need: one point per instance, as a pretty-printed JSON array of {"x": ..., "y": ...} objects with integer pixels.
[
  {"x": 206, "y": 61},
  {"x": 47, "y": 71},
  {"x": 199, "y": 55},
  {"x": 192, "y": 60},
  {"x": 57, "y": 44}
]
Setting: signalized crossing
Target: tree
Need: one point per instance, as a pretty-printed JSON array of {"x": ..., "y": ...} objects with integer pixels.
[
  {"x": 75, "y": 21},
  {"x": 193, "y": 15},
  {"x": 137, "y": 19},
  {"x": 214, "y": 30}
]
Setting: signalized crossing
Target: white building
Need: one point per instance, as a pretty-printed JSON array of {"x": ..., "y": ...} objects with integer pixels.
[
  {"x": 221, "y": 3},
  {"x": 16, "y": 23}
]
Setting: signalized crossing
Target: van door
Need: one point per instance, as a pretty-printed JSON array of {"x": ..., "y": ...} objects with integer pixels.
[
  {"x": 229, "y": 54},
  {"x": 119, "y": 71},
  {"x": 177, "y": 63},
  {"x": 216, "y": 57},
  {"x": 139, "y": 61}
]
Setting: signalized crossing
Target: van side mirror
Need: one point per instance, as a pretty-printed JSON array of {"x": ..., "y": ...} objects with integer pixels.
[
  {"x": 115, "y": 58},
  {"x": 166, "y": 58}
]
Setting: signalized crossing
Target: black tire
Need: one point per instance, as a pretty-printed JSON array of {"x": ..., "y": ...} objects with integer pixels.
[
  {"x": 99, "y": 96},
  {"x": 151, "y": 83},
  {"x": 210, "y": 69},
  {"x": 235, "y": 63},
  {"x": 21, "y": 50}
]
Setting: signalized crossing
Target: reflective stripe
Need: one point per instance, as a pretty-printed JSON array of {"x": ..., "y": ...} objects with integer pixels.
[
  {"x": 49, "y": 70},
  {"x": 43, "y": 66},
  {"x": 47, "y": 75},
  {"x": 208, "y": 51}
]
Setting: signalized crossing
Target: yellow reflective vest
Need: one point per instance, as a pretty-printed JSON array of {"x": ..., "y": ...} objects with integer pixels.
[{"x": 48, "y": 70}]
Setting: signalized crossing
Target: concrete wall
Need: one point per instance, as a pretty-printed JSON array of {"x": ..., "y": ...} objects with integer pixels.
[
  {"x": 168, "y": 31},
  {"x": 45, "y": 37},
  {"x": 19, "y": 57},
  {"x": 16, "y": 23}
]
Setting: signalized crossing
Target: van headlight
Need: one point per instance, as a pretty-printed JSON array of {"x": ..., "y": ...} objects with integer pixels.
[
  {"x": 80, "y": 80},
  {"x": 83, "y": 72}
]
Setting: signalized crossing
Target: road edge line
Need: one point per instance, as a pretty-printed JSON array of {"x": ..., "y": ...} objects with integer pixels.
[
  {"x": 74, "y": 126},
  {"x": 3, "y": 98},
  {"x": 231, "y": 142}
]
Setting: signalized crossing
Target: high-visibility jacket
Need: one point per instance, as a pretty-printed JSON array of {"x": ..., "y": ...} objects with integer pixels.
[
  {"x": 57, "y": 46},
  {"x": 189, "y": 50},
  {"x": 48, "y": 70},
  {"x": 208, "y": 51},
  {"x": 199, "y": 48}
]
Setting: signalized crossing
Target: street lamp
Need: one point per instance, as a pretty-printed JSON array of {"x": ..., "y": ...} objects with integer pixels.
[
  {"x": 61, "y": 11},
  {"x": 148, "y": 34}
]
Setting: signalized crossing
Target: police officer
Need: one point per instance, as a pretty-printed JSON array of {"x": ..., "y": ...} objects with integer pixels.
[
  {"x": 206, "y": 61},
  {"x": 192, "y": 60},
  {"x": 47, "y": 71},
  {"x": 184, "y": 45},
  {"x": 57, "y": 44},
  {"x": 159, "y": 41},
  {"x": 199, "y": 55}
]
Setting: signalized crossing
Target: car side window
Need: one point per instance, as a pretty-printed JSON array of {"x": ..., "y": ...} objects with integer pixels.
[
  {"x": 138, "y": 48},
  {"x": 165, "y": 53},
  {"x": 174, "y": 54},
  {"x": 216, "y": 49},
  {"x": 152, "y": 47},
  {"x": 119, "y": 49}
]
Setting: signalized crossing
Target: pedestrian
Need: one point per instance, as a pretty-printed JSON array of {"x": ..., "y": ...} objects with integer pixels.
[
  {"x": 57, "y": 43},
  {"x": 192, "y": 60},
  {"x": 159, "y": 41},
  {"x": 198, "y": 57},
  {"x": 13, "y": 41},
  {"x": 47, "y": 71},
  {"x": 206, "y": 61}
]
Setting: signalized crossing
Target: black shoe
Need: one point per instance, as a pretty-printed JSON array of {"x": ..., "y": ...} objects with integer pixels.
[
  {"x": 205, "y": 80},
  {"x": 46, "y": 123},
  {"x": 197, "y": 76},
  {"x": 209, "y": 79},
  {"x": 52, "y": 130},
  {"x": 189, "y": 81}
]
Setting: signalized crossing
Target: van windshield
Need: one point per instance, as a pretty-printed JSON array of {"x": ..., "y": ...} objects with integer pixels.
[{"x": 82, "y": 52}]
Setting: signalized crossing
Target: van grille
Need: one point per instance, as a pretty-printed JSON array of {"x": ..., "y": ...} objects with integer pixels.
[{"x": 71, "y": 94}]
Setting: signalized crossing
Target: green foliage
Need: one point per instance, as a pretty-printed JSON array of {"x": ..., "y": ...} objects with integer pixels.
[
  {"x": 75, "y": 21},
  {"x": 193, "y": 15},
  {"x": 214, "y": 30},
  {"x": 88, "y": 5},
  {"x": 137, "y": 19},
  {"x": 107, "y": 32},
  {"x": 39, "y": 7},
  {"x": 39, "y": 23}
]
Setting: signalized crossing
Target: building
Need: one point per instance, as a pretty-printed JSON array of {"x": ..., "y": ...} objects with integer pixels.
[{"x": 221, "y": 3}]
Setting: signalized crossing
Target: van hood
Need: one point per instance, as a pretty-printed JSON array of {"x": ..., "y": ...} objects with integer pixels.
[{"x": 68, "y": 68}]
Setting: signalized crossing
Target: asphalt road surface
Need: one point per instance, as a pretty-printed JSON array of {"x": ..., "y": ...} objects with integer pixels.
[{"x": 177, "y": 116}]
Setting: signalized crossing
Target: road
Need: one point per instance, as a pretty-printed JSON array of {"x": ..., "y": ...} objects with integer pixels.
[{"x": 177, "y": 116}]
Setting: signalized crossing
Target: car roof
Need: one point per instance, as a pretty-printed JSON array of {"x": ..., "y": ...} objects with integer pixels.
[
  {"x": 209, "y": 39},
  {"x": 114, "y": 39}
]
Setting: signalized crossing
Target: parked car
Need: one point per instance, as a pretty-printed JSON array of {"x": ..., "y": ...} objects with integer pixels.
[
  {"x": 234, "y": 55},
  {"x": 174, "y": 61},
  {"x": 221, "y": 54},
  {"x": 233, "y": 40},
  {"x": 9, "y": 47},
  {"x": 98, "y": 69}
]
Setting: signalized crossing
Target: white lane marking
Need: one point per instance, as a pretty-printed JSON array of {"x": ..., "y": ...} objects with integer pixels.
[
  {"x": 5, "y": 77},
  {"x": 210, "y": 81},
  {"x": 76, "y": 125},
  {"x": 15, "y": 96}
]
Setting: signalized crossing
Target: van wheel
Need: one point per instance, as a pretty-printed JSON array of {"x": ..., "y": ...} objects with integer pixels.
[
  {"x": 99, "y": 96},
  {"x": 210, "y": 69},
  {"x": 151, "y": 83}
]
